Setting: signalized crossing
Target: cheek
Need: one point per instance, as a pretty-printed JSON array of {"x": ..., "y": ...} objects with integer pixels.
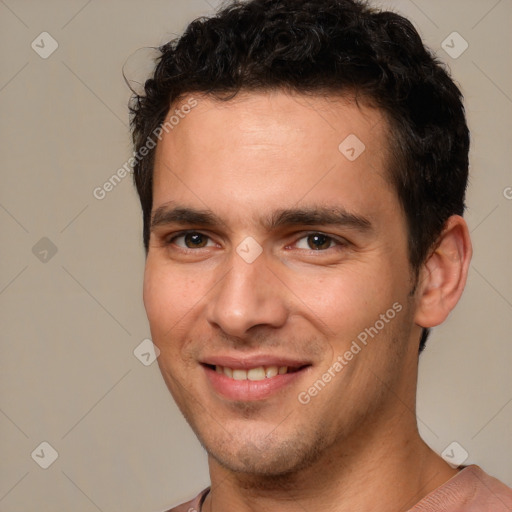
[
  {"x": 170, "y": 298},
  {"x": 344, "y": 300}
]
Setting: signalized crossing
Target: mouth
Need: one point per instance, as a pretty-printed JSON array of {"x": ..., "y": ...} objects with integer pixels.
[
  {"x": 248, "y": 382},
  {"x": 254, "y": 374}
]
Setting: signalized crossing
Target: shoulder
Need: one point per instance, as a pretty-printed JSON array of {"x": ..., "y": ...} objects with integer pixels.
[
  {"x": 192, "y": 505},
  {"x": 473, "y": 489}
]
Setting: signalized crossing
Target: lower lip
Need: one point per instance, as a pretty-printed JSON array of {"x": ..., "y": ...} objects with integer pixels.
[{"x": 249, "y": 390}]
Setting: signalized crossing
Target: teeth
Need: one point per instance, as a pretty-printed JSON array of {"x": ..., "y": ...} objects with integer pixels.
[
  {"x": 258, "y": 373},
  {"x": 271, "y": 371},
  {"x": 239, "y": 375}
]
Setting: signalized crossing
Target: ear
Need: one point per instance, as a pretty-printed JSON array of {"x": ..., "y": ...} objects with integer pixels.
[{"x": 443, "y": 276}]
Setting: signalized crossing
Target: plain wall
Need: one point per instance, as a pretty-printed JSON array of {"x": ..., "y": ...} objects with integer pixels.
[{"x": 71, "y": 320}]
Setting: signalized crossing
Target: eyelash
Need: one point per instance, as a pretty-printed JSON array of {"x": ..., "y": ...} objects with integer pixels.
[
  {"x": 337, "y": 242},
  {"x": 171, "y": 240}
]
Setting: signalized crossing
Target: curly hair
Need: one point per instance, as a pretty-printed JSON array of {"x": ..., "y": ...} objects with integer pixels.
[{"x": 316, "y": 47}]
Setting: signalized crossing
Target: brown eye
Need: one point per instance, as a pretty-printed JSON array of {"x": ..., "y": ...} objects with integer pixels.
[
  {"x": 195, "y": 240},
  {"x": 191, "y": 240},
  {"x": 319, "y": 242}
]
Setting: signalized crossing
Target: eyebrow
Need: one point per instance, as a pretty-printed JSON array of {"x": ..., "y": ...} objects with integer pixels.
[{"x": 311, "y": 215}]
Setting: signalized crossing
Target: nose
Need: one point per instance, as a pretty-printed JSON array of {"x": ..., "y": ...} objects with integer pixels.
[{"x": 249, "y": 295}]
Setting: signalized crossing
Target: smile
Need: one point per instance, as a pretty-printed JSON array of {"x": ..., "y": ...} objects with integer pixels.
[
  {"x": 251, "y": 383},
  {"x": 254, "y": 374}
]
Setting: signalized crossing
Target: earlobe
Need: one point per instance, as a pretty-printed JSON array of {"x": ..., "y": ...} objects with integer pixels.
[{"x": 443, "y": 276}]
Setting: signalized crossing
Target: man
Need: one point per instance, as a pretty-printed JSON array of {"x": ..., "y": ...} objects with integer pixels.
[{"x": 302, "y": 166}]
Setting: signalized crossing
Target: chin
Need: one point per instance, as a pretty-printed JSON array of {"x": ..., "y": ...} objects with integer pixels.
[{"x": 270, "y": 456}]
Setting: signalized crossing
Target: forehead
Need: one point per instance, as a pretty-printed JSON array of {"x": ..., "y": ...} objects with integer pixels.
[{"x": 273, "y": 149}]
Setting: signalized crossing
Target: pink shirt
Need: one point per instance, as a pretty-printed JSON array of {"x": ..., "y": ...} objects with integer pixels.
[{"x": 470, "y": 490}]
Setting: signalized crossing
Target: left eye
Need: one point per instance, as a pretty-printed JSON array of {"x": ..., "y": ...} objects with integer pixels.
[
  {"x": 192, "y": 240},
  {"x": 316, "y": 242}
]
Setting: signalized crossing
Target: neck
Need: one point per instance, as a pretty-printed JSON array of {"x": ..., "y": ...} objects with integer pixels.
[{"x": 385, "y": 466}]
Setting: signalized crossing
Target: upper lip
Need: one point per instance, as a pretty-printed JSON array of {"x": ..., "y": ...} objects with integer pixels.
[{"x": 247, "y": 362}]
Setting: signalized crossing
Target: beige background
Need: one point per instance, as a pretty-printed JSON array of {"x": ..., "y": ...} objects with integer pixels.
[{"x": 70, "y": 324}]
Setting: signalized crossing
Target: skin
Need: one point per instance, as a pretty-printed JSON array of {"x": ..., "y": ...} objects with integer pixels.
[{"x": 243, "y": 160}]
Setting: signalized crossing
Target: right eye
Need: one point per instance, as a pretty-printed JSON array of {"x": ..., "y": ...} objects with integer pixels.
[{"x": 191, "y": 240}]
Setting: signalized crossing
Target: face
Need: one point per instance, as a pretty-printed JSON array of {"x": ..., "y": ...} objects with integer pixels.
[{"x": 277, "y": 281}]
